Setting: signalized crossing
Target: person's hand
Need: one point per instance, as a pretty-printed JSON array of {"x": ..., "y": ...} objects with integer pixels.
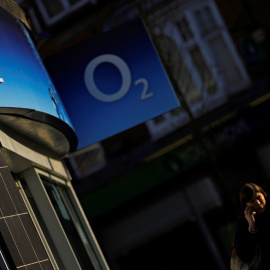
[{"x": 250, "y": 217}]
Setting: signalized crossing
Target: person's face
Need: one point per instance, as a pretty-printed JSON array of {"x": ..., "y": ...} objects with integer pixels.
[{"x": 257, "y": 202}]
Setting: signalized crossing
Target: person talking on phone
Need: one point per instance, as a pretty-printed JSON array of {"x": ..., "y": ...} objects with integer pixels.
[{"x": 253, "y": 227}]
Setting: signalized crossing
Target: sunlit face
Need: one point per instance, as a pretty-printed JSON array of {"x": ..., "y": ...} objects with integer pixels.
[{"x": 258, "y": 202}]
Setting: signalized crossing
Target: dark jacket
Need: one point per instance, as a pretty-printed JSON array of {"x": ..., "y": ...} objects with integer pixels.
[{"x": 245, "y": 242}]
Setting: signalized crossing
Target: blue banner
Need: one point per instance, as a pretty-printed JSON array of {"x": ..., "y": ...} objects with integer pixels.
[
  {"x": 26, "y": 83},
  {"x": 111, "y": 83}
]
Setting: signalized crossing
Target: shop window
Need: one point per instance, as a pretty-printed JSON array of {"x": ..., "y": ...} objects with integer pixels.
[
  {"x": 70, "y": 222},
  {"x": 60, "y": 222},
  {"x": 42, "y": 228}
]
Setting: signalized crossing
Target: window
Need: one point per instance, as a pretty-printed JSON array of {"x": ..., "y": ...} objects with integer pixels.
[
  {"x": 203, "y": 70},
  {"x": 205, "y": 20},
  {"x": 60, "y": 222},
  {"x": 202, "y": 59},
  {"x": 56, "y": 257},
  {"x": 217, "y": 51},
  {"x": 53, "y": 11},
  {"x": 70, "y": 221},
  {"x": 184, "y": 29},
  {"x": 225, "y": 60}
]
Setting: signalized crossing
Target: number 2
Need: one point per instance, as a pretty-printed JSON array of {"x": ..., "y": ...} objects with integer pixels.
[{"x": 145, "y": 94}]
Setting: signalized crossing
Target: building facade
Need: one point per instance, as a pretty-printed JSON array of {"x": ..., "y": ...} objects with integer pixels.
[
  {"x": 42, "y": 223},
  {"x": 174, "y": 180}
]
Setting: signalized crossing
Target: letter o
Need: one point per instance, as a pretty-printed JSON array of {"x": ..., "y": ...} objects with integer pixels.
[{"x": 90, "y": 80}]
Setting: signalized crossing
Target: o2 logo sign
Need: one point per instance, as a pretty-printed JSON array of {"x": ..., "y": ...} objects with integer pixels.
[{"x": 124, "y": 70}]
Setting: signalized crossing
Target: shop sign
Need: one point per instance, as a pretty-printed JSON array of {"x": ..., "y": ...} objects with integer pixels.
[{"x": 111, "y": 83}]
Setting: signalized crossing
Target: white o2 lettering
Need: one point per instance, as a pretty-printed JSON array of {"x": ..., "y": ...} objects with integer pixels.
[
  {"x": 145, "y": 94},
  {"x": 126, "y": 79},
  {"x": 90, "y": 81}
]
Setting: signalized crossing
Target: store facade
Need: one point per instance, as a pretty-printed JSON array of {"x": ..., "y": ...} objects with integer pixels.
[{"x": 42, "y": 225}]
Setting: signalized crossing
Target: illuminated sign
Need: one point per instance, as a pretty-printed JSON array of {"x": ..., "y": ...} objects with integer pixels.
[
  {"x": 27, "y": 94},
  {"x": 111, "y": 83}
]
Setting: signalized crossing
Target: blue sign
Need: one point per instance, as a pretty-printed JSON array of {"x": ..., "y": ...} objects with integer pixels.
[
  {"x": 28, "y": 95},
  {"x": 111, "y": 83},
  {"x": 26, "y": 83}
]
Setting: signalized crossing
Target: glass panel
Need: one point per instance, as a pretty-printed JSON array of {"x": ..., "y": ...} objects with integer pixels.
[
  {"x": 205, "y": 20},
  {"x": 42, "y": 224},
  {"x": 74, "y": 232},
  {"x": 184, "y": 29},
  {"x": 207, "y": 79},
  {"x": 75, "y": 218},
  {"x": 179, "y": 70},
  {"x": 225, "y": 61}
]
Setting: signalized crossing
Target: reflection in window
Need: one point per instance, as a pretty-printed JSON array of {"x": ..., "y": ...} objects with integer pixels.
[
  {"x": 42, "y": 224},
  {"x": 70, "y": 222},
  {"x": 183, "y": 76},
  {"x": 206, "y": 77},
  {"x": 225, "y": 61}
]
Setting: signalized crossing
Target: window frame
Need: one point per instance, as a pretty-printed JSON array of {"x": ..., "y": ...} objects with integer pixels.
[
  {"x": 33, "y": 178},
  {"x": 36, "y": 223},
  {"x": 67, "y": 10},
  {"x": 170, "y": 28},
  {"x": 203, "y": 41}
]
